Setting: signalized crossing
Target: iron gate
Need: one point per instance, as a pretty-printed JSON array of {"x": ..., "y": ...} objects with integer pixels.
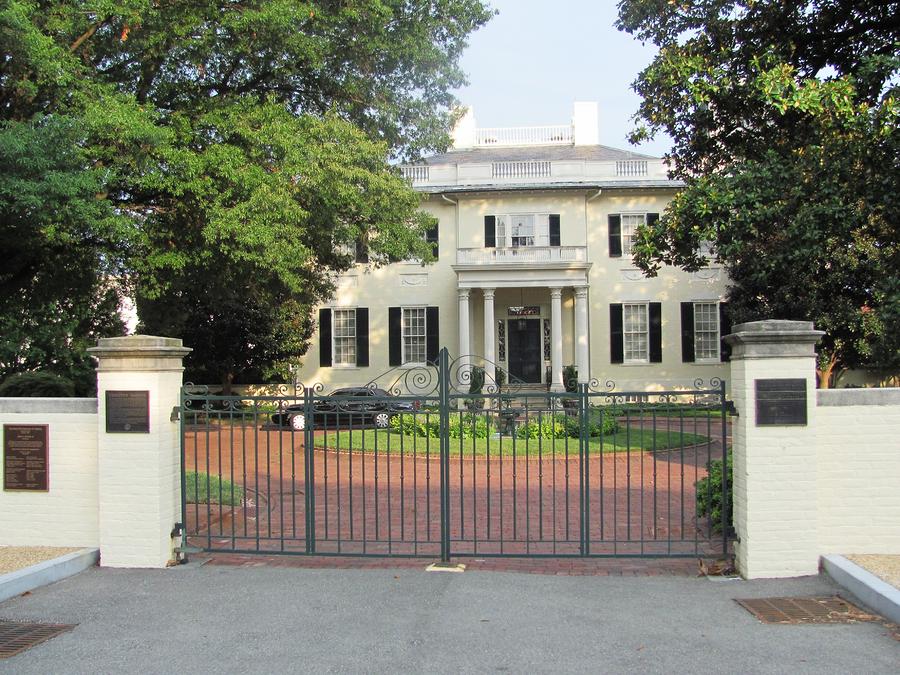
[{"x": 441, "y": 463}]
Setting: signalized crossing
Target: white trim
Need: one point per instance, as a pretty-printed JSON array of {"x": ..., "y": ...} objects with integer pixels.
[
  {"x": 424, "y": 336},
  {"x": 718, "y": 357},
  {"x": 334, "y": 363},
  {"x": 637, "y": 362}
]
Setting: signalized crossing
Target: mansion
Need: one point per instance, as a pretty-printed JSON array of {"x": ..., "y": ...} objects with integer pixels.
[{"x": 533, "y": 271}]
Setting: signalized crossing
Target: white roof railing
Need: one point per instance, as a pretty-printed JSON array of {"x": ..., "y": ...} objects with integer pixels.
[{"x": 493, "y": 137}]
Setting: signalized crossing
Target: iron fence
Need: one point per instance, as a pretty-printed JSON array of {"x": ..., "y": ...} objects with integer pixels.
[{"x": 440, "y": 463}]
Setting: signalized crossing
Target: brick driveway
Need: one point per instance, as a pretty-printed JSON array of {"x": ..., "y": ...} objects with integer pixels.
[{"x": 379, "y": 503}]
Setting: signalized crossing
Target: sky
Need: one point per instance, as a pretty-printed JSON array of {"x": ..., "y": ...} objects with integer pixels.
[{"x": 536, "y": 57}]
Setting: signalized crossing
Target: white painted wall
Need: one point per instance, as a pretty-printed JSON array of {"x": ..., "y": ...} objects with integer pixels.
[
  {"x": 67, "y": 515},
  {"x": 584, "y": 222},
  {"x": 858, "y": 497}
]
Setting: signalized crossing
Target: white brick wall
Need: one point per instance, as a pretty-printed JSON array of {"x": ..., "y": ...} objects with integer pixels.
[
  {"x": 859, "y": 472},
  {"x": 775, "y": 478},
  {"x": 67, "y": 515}
]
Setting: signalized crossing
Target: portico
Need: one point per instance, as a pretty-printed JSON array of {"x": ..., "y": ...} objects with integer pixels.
[{"x": 527, "y": 320}]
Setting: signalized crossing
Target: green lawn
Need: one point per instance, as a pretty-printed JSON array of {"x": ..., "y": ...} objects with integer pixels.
[
  {"x": 396, "y": 443},
  {"x": 203, "y": 488}
]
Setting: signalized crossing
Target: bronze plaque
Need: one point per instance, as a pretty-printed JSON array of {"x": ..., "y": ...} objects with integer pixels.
[
  {"x": 781, "y": 402},
  {"x": 25, "y": 457},
  {"x": 128, "y": 412}
]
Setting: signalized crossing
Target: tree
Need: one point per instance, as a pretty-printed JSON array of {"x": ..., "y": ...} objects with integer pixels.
[
  {"x": 242, "y": 149},
  {"x": 784, "y": 125}
]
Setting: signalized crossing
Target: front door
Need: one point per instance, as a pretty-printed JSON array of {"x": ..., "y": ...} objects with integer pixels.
[{"x": 524, "y": 349}]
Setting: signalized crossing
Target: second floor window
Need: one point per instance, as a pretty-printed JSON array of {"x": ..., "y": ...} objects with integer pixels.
[{"x": 520, "y": 230}]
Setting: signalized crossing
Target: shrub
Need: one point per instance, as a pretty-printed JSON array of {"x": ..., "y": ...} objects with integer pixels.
[
  {"x": 429, "y": 426},
  {"x": 606, "y": 427},
  {"x": 709, "y": 495},
  {"x": 545, "y": 427},
  {"x": 37, "y": 384}
]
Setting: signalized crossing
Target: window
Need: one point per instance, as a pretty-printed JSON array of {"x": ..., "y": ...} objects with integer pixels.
[
  {"x": 703, "y": 323},
  {"x": 706, "y": 331},
  {"x": 344, "y": 336},
  {"x": 635, "y": 333},
  {"x": 630, "y": 223},
  {"x": 622, "y": 230},
  {"x": 413, "y": 335},
  {"x": 520, "y": 230}
]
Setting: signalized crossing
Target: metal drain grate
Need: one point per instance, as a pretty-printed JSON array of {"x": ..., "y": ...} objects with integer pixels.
[
  {"x": 17, "y": 636},
  {"x": 805, "y": 610}
]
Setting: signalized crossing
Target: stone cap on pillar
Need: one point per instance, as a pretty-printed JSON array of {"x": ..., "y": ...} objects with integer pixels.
[
  {"x": 773, "y": 339},
  {"x": 139, "y": 352}
]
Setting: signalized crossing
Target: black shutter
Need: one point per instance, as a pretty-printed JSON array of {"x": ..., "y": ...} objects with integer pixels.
[
  {"x": 490, "y": 232},
  {"x": 431, "y": 236},
  {"x": 362, "y": 337},
  {"x": 554, "y": 229},
  {"x": 724, "y": 329},
  {"x": 616, "y": 339},
  {"x": 432, "y": 335},
  {"x": 652, "y": 219},
  {"x": 395, "y": 353},
  {"x": 325, "y": 338},
  {"x": 615, "y": 236},
  {"x": 687, "y": 332},
  {"x": 655, "y": 316}
]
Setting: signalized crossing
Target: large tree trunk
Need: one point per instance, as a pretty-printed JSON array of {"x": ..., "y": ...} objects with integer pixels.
[{"x": 826, "y": 373}]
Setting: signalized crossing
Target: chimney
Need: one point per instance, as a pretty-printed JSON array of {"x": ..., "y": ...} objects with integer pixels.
[
  {"x": 585, "y": 127},
  {"x": 463, "y": 133}
]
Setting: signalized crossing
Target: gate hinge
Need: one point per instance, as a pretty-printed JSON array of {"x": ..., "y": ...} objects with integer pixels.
[{"x": 176, "y": 413}]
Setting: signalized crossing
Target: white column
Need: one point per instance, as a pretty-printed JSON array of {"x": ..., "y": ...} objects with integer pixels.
[
  {"x": 489, "y": 328},
  {"x": 463, "y": 327},
  {"x": 581, "y": 334},
  {"x": 140, "y": 467},
  {"x": 556, "y": 383}
]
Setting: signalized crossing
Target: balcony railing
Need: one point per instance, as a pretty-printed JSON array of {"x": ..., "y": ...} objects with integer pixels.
[
  {"x": 559, "y": 134},
  {"x": 522, "y": 254},
  {"x": 415, "y": 174},
  {"x": 527, "y": 169}
]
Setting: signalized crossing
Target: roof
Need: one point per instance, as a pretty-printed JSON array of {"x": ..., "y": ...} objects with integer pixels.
[
  {"x": 568, "y": 185},
  {"x": 590, "y": 153}
]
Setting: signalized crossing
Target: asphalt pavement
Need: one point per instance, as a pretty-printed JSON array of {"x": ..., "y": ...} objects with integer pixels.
[{"x": 223, "y": 619}]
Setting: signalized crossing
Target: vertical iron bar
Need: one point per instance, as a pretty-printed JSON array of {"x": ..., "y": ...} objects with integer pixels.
[
  {"x": 181, "y": 428},
  {"x": 444, "y": 435},
  {"x": 725, "y": 496},
  {"x": 584, "y": 460},
  {"x": 309, "y": 469}
]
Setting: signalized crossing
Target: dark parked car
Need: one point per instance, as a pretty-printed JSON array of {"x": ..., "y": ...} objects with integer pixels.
[{"x": 357, "y": 406}]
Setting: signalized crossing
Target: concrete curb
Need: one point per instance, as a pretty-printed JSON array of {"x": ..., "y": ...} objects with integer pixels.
[
  {"x": 876, "y": 594},
  {"x": 47, "y": 572}
]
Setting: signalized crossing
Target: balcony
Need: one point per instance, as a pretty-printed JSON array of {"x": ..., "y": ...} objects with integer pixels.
[{"x": 523, "y": 255}]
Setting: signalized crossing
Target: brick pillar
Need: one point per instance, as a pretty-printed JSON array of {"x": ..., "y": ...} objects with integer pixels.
[
  {"x": 140, "y": 467},
  {"x": 775, "y": 474}
]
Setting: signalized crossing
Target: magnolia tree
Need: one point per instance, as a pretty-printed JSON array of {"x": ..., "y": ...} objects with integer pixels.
[
  {"x": 223, "y": 158},
  {"x": 784, "y": 120}
]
